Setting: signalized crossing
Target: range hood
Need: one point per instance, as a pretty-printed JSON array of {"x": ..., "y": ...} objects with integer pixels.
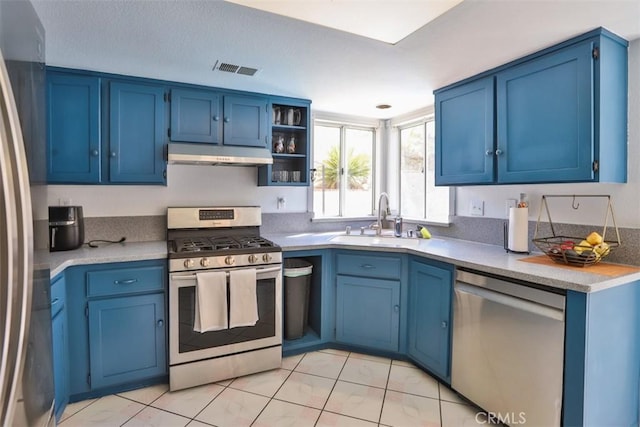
[{"x": 210, "y": 154}]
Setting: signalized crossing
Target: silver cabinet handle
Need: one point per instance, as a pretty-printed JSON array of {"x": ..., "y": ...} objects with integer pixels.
[
  {"x": 226, "y": 120},
  {"x": 489, "y": 152},
  {"x": 125, "y": 282},
  {"x": 113, "y": 154},
  {"x": 498, "y": 152},
  {"x": 444, "y": 324},
  {"x": 216, "y": 118},
  {"x": 160, "y": 322},
  {"x": 55, "y": 301},
  {"x": 95, "y": 152},
  {"x": 396, "y": 308},
  {"x": 367, "y": 266}
]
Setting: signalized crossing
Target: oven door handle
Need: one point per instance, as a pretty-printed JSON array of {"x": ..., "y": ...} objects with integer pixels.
[{"x": 258, "y": 273}]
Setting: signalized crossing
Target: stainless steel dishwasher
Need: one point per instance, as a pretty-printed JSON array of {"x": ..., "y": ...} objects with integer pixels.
[{"x": 508, "y": 349}]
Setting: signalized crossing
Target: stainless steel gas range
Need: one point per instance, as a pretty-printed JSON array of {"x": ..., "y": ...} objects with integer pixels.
[{"x": 220, "y": 269}]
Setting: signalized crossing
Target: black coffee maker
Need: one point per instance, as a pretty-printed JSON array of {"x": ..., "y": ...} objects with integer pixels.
[{"x": 66, "y": 228}]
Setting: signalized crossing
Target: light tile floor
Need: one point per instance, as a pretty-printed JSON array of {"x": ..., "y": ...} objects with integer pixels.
[{"x": 322, "y": 388}]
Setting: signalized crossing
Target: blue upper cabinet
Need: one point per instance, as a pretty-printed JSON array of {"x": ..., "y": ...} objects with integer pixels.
[
  {"x": 245, "y": 121},
  {"x": 196, "y": 116},
  {"x": 73, "y": 137},
  {"x": 290, "y": 135},
  {"x": 136, "y": 132},
  {"x": 544, "y": 111},
  {"x": 464, "y": 134},
  {"x": 560, "y": 116}
]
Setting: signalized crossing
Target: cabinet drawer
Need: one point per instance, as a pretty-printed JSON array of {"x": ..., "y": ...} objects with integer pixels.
[
  {"x": 125, "y": 281},
  {"x": 368, "y": 265},
  {"x": 57, "y": 296}
]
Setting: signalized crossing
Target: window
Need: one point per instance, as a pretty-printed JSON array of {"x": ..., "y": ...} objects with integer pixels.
[
  {"x": 344, "y": 162},
  {"x": 419, "y": 197}
]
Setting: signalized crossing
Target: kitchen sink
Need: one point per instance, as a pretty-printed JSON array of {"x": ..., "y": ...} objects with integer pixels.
[{"x": 368, "y": 240}]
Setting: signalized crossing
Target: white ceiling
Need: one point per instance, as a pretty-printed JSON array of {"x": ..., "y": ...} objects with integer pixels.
[
  {"x": 382, "y": 20},
  {"x": 340, "y": 72}
]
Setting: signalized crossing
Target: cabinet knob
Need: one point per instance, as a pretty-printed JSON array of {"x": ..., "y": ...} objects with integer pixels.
[
  {"x": 367, "y": 266},
  {"x": 216, "y": 118},
  {"x": 95, "y": 152},
  {"x": 226, "y": 120},
  {"x": 160, "y": 322},
  {"x": 498, "y": 152},
  {"x": 444, "y": 324},
  {"x": 113, "y": 154},
  {"x": 396, "y": 308},
  {"x": 489, "y": 152}
]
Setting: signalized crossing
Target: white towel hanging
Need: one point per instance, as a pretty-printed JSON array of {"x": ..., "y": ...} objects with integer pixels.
[
  {"x": 211, "y": 311},
  {"x": 243, "y": 299}
]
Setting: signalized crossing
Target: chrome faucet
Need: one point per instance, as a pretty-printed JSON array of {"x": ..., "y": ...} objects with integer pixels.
[{"x": 380, "y": 215}]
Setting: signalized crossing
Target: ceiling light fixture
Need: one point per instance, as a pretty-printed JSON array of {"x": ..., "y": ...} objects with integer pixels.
[{"x": 383, "y": 106}]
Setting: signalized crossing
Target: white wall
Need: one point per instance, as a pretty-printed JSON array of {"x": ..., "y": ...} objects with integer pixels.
[
  {"x": 626, "y": 197},
  {"x": 188, "y": 185}
]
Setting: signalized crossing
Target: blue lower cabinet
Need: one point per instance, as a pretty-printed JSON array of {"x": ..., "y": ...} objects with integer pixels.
[
  {"x": 117, "y": 331},
  {"x": 429, "y": 334},
  {"x": 368, "y": 312},
  {"x": 126, "y": 339},
  {"x": 60, "y": 345}
]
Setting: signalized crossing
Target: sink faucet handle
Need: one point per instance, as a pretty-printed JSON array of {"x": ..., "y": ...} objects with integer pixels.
[
  {"x": 361, "y": 230},
  {"x": 348, "y": 230}
]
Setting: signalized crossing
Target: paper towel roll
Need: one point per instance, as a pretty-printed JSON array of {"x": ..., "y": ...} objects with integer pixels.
[{"x": 518, "y": 239}]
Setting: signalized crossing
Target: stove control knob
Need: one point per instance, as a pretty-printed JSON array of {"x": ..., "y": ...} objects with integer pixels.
[
  {"x": 267, "y": 258},
  {"x": 229, "y": 260},
  {"x": 253, "y": 259},
  {"x": 204, "y": 262},
  {"x": 188, "y": 263}
]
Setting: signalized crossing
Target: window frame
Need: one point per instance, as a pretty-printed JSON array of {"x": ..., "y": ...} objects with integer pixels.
[
  {"x": 344, "y": 124},
  {"x": 421, "y": 120}
]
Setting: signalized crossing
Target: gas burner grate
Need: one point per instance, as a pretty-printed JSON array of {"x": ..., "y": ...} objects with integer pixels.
[
  {"x": 224, "y": 243},
  {"x": 254, "y": 242},
  {"x": 193, "y": 245}
]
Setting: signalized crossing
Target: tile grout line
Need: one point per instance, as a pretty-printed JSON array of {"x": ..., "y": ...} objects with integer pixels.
[
  {"x": 271, "y": 397},
  {"x": 335, "y": 382},
  {"x": 384, "y": 396}
]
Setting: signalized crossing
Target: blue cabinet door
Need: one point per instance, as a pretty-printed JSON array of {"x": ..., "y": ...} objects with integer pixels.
[
  {"x": 245, "y": 121},
  {"x": 136, "y": 132},
  {"x": 126, "y": 339},
  {"x": 465, "y": 134},
  {"x": 368, "y": 312},
  {"x": 195, "y": 116},
  {"x": 545, "y": 118},
  {"x": 60, "y": 345},
  {"x": 60, "y": 363},
  {"x": 73, "y": 121},
  {"x": 429, "y": 334}
]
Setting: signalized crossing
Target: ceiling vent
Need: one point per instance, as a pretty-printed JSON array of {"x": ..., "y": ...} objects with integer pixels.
[{"x": 236, "y": 69}]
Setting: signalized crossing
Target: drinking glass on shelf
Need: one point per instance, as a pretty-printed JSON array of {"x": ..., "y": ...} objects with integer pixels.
[{"x": 295, "y": 176}]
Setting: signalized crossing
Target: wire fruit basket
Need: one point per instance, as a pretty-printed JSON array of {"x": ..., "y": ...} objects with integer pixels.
[{"x": 579, "y": 251}]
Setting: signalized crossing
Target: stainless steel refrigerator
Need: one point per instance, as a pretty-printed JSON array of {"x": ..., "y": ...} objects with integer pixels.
[{"x": 26, "y": 367}]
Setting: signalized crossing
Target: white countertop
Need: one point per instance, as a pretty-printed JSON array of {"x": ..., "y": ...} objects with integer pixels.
[
  {"x": 114, "y": 252},
  {"x": 477, "y": 256}
]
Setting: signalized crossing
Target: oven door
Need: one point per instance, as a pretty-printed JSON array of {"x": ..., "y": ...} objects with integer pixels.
[{"x": 186, "y": 345}]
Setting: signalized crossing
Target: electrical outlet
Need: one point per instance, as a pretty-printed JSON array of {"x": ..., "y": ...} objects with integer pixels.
[
  {"x": 511, "y": 203},
  {"x": 477, "y": 208}
]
